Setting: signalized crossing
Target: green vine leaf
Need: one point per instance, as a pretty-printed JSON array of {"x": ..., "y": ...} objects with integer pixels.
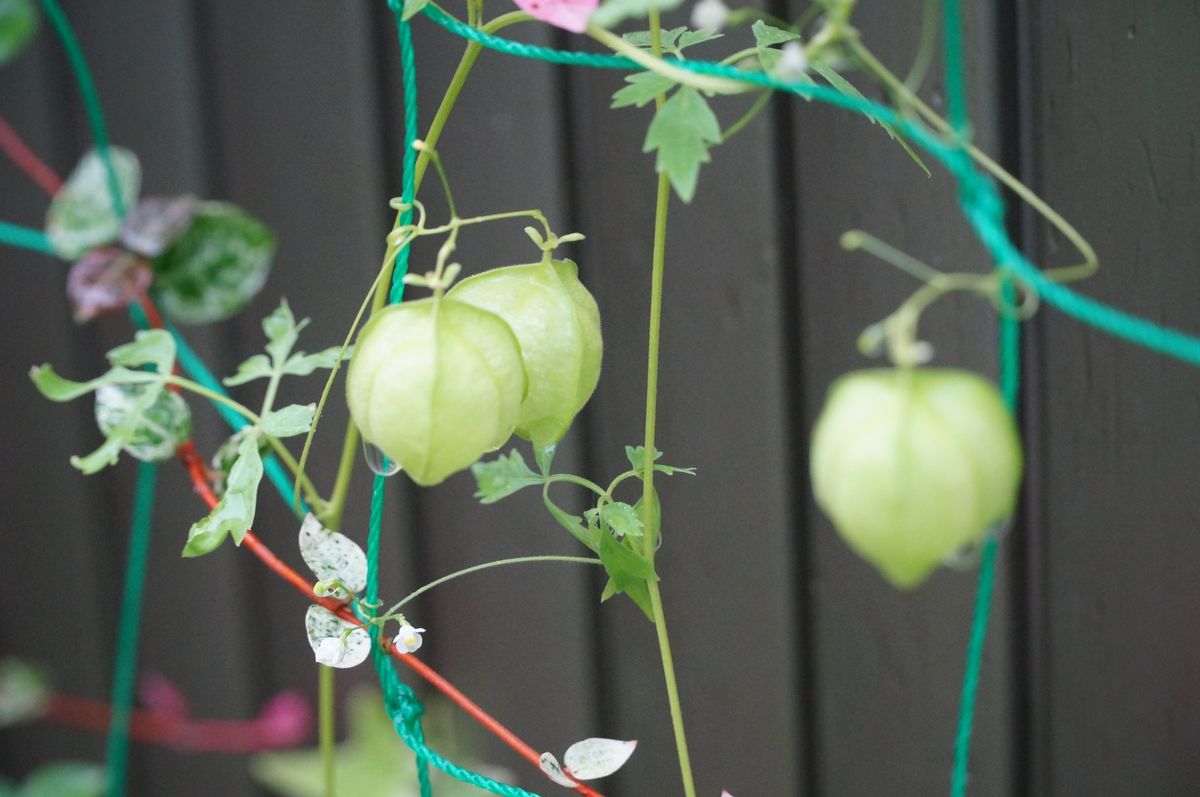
[
  {"x": 301, "y": 364},
  {"x": 234, "y": 513},
  {"x": 642, "y": 89},
  {"x": 682, "y": 131},
  {"x": 18, "y": 24},
  {"x": 256, "y": 367},
  {"x": 847, "y": 88},
  {"x": 767, "y": 38},
  {"x": 153, "y": 347},
  {"x": 637, "y": 458},
  {"x": 288, "y": 421},
  {"x": 628, "y": 573},
  {"x": 622, "y": 518},
  {"x": 502, "y": 477}
]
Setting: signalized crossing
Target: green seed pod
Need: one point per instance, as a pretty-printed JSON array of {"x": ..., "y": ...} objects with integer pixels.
[
  {"x": 435, "y": 384},
  {"x": 164, "y": 426},
  {"x": 557, "y": 324},
  {"x": 913, "y": 464}
]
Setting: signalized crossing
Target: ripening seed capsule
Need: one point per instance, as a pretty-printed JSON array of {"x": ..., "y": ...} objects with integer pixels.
[
  {"x": 435, "y": 384},
  {"x": 913, "y": 464},
  {"x": 557, "y": 324}
]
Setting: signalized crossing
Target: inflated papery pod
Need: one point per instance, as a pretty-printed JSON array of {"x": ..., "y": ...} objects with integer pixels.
[
  {"x": 913, "y": 464},
  {"x": 435, "y": 384},
  {"x": 557, "y": 324}
]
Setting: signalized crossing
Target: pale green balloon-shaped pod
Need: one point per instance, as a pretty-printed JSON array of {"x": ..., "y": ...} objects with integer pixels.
[
  {"x": 435, "y": 384},
  {"x": 912, "y": 464},
  {"x": 557, "y": 324}
]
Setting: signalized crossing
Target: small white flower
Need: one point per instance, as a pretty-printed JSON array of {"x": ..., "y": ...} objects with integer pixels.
[
  {"x": 408, "y": 640},
  {"x": 330, "y": 652},
  {"x": 709, "y": 15},
  {"x": 792, "y": 62}
]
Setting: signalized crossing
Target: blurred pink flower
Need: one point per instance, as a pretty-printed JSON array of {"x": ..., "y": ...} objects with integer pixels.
[{"x": 569, "y": 15}]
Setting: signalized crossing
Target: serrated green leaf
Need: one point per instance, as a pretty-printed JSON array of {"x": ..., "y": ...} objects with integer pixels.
[
  {"x": 628, "y": 573},
  {"x": 56, "y": 388},
  {"x": 282, "y": 332},
  {"x": 65, "y": 779},
  {"x": 24, "y": 692},
  {"x": 622, "y": 518},
  {"x": 149, "y": 347},
  {"x": 643, "y": 38},
  {"x": 694, "y": 37},
  {"x": 637, "y": 458},
  {"x": 288, "y": 421},
  {"x": 301, "y": 364},
  {"x": 502, "y": 477},
  {"x": 544, "y": 456},
  {"x": 256, "y": 367},
  {"x": 234, "y": 513},
  {"x": 847, "y": 88},
  {"x": 611, "y": 12},
  {"x": 682, "y": 131},
  {"x": 81, "y": 215},
  {"x": 107, "y": 454},
  {"x": 767, "y": 36},
  {"x": 18, "y": 24},
  {"x": 412, "y": 8},
  {"x": 642, "y": 89},
  {"x": 216, "y": 267}
]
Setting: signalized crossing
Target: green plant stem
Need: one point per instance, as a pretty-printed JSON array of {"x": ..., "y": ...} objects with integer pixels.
[
  {"x": 903, "y": 93},
  {"x": 331, "y": 518},
  {"x": 325, "y": 726},
  {"x": 657, "y": 263},
  {"x": 761, "y": 102},
  {"x": 582, "y": 482},
  {"x": 585, "y": 560}
]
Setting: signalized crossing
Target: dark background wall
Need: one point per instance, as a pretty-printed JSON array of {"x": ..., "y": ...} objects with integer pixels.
[{"x": 802, "y": 672}]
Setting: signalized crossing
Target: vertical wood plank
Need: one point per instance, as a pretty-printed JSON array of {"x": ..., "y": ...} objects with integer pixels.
[
  {"x": 729, "y": 537},
  {"x": 887, "y": 665},
  {"x": 1115, "y": 128}
]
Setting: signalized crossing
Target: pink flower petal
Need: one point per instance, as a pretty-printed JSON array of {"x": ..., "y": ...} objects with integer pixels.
[
  {"x": 569, "y": 15},
  {"x": 285, "y": 720}
]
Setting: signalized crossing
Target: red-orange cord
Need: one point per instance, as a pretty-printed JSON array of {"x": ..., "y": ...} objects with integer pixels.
[{"x": 25, "y": 160}]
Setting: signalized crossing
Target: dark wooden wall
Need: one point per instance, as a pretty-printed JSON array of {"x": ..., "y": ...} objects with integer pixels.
[{"x": 802, "y": 672}]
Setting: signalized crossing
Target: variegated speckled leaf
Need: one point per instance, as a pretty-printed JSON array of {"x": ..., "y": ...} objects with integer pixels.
[
  {"x": 597, "y": 758},
  {"x": 550, "y": 766},
  {"x": 216, "y": 267},
  {"x": 162, "y": 426},
  {"x": 330, "y": 642},
  {"x": 105, "y": 280},
  {"x": 82, "y": 215},
  {"x": 332, "y": 555}
]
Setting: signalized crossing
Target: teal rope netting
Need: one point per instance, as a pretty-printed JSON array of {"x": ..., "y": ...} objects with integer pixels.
[{"x": 979, "y": 201}]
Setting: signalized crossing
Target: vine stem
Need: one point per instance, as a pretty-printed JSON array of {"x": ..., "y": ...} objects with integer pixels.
[
  {"x": 325, "y": 727},
  {"x": 466, "y": 571},
  {"x": 657, "y": 264}
]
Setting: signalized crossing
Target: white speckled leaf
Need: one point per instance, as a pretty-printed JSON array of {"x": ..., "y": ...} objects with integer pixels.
[
  {"x": 325, "y": 636},
  {"x": 597, "y": 758},
  {"x": 332, "y": 555},
  {"x": 82, "y": 215},
  {"x": 550, "y": 766}
]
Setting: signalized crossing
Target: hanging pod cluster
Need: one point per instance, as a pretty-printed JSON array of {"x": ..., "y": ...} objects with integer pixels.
[
  {"x": 914, "y": 464},
  {"x": 438, "y": 382}
]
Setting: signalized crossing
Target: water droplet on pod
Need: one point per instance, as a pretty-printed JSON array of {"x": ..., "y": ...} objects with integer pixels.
[{"x": 378, "y": 461}]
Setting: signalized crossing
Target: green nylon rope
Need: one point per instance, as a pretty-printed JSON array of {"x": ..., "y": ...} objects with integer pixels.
[
  {"x": 25, "y": 238},
  {"x": 401, "y": 702},
  {"x": 125, "y": 664},
  {"x": 979, "y": 199}
]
